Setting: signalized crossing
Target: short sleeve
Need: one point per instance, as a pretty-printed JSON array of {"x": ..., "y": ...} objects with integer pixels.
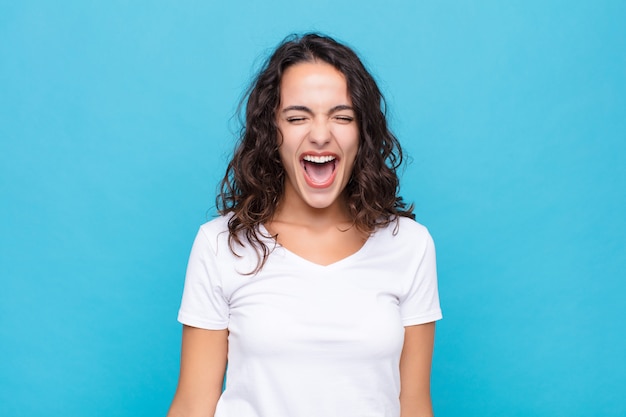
[
  {"x": 421, "y": 302},
  {"x": 203, "y": 303}
]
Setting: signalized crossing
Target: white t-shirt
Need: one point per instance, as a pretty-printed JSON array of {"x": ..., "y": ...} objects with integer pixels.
[{"x": 307, "y": 340}]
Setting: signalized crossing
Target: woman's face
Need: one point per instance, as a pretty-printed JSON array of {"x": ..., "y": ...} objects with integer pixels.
[{"x": 318, "y": 133}]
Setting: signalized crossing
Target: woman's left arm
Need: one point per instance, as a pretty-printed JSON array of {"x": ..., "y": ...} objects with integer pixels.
[{"x": 415, "y": 365}]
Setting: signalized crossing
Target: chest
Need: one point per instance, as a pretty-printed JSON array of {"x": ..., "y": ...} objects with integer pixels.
[{"x": 313, "y": 311}]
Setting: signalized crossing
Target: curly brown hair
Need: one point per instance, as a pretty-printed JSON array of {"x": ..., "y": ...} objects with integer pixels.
[{"x": 254, "y": 181}]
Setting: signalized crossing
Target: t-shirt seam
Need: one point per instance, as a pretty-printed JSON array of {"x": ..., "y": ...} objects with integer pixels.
[
  {"x": 190, "y": 319},
  {"x": 430, "y": 314}
]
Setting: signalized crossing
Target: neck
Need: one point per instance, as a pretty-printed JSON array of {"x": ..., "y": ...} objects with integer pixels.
[{"x": 292, "y": 209}]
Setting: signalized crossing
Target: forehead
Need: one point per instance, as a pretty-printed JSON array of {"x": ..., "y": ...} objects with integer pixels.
[{"x": 315, "y": 82}]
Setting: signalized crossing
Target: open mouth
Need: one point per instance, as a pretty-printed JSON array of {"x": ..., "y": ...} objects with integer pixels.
[{"x": 319, "y": 169}]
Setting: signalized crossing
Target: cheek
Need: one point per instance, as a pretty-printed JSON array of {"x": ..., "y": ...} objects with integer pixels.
[
  {"x": 287, "y": 153},
  {"x": 290, "y": 137},
  {"x": 284, "y": 159},
  {"x": 354, "y": 150},
  {"x": 351, "y": 143},
  {"x": 347, "y": 136}
]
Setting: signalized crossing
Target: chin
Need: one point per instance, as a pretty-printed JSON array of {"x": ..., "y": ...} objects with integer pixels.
[{"x": 321, "y": 201}]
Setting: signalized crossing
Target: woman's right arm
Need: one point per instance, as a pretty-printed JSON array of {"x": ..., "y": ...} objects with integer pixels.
[{"x": 202, "y": 367}]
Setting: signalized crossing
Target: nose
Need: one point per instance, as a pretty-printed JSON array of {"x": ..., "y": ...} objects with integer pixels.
[{"x": 320, "y": 133}]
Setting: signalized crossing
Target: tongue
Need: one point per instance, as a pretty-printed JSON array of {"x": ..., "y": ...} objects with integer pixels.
[{"x": 319, "y": 173}]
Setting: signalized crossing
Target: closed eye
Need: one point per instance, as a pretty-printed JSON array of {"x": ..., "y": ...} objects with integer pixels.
[{"x": 344, "y": 119}]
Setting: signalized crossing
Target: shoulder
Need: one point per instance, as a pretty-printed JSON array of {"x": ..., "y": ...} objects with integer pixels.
[
  {"x": 405, "y": 230},
  {"x": 404, "y": 238},
  {"x": 215, "y": 226},
  {"x": 214, "y": 232},
  {"x": 215, "y": 235}
]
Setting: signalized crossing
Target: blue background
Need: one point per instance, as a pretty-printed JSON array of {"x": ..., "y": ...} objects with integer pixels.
[{"x": 116, "y": 121}]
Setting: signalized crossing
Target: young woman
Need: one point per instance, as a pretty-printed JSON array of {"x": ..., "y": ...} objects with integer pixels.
[{"x": 315, "y": 285}]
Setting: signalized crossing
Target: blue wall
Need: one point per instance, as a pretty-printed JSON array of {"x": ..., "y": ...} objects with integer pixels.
[{"x": 116, "y": 122}]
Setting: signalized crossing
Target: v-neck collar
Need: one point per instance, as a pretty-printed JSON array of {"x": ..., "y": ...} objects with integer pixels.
[{"x": 266, "y": 236}]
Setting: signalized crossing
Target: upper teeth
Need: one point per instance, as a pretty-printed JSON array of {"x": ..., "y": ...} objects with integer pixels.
[{"x": 318, "y": 159}]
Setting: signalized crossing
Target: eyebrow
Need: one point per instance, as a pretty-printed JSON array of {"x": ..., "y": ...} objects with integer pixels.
[{"x": 308, "y": 110}]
